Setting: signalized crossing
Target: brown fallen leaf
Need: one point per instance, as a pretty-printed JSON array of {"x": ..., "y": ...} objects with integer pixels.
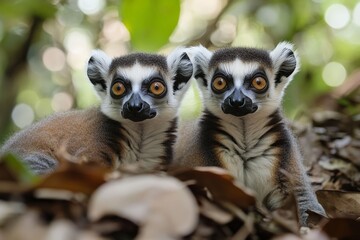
[
  {"x": 162, "y": 206},
  {"x": 220, "y": 184},
  {"x": 341, "y": 228},
  {"x": 340, "y": 204},
  {"x": 75, "y": 178},
  {"x": 315, "y": 219}
]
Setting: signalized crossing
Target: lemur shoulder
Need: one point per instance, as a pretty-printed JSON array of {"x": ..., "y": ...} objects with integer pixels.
[
  {"x": 242, "y": 127},
  {"x": 136, "y": 122}
]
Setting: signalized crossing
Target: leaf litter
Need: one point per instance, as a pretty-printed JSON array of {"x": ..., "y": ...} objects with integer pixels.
[{"x": 82, "y": 201}]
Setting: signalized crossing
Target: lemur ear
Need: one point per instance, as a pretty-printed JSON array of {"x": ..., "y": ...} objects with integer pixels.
[
  {"x": 286, "y": 63},
  {"x": 201, "y": 57},
  {"x": 97, "y": 70},
  {"x": 182, "y": 69}
]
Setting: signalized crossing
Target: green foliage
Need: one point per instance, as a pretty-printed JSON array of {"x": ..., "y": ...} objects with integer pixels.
[
  {"x": 28, "y": 28},
  {"x": 26, "y": 8},
  {"x": 19, "y": 169},
  {"x": 150, "y": 22}
]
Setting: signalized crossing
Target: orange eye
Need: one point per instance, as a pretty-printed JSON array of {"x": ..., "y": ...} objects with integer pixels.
[
  {"x": 259, "y": 83},
  {"x": 219, "y": 84},
  {"x": 157, "y": 88},
  {"x": 118, "y": 89}
]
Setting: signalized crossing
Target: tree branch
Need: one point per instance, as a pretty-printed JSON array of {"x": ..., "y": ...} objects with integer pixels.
[{"x": 11, "y": 79}]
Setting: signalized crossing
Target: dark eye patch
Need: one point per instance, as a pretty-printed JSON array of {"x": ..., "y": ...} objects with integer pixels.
[
  {"x": 156, "y": 77},
  {"x": 145, "y": 85},
  {"x": 220, "y": 73},
  {"x": 260, "y": 72},
  {"x": 124, "y": 81}
]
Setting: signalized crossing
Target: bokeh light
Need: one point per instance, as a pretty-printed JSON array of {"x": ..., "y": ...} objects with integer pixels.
[
  {"x": 43, "y": 107},
  {"x": 206, "y": 9},
  {"x": 337, "y": 16},
  {"x": 67, "y": 15},
  {"x": 114, "y": 30},
  {"x": 28, "y": 96},
  {"x": 90, "y": 7},
  {"x": 226, "y": 31},
  {"x": 268, "y": 15},
  {"x": 356, "y": 14},
  {"x": 78, "y": 45},
  {"x": 53, "y": 59},
  {"x": 22, "y": 115},
  {"x": 62, "y": 101},
  {"x": 334, "y": 74}
]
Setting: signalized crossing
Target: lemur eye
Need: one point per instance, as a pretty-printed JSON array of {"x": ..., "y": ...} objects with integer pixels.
[
  {"x": 219, "y": 84},
  {"x": 157, "y": 88},
  {"x": 118, "y": 89},
  {"x": 259, "y": 83}
]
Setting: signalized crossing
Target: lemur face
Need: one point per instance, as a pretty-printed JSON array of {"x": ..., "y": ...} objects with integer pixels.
[
  {"x": 241, "y": 81},
  {"x": 139, "y": 86}
]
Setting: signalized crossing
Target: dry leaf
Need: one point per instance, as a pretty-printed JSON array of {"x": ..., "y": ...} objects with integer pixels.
[
  {"x": 342, "y": 229},
  {"x": 314, "y": 219},
  {"x": 75, "y": 178},
  {"x": 339, "y": 204},
  {"x": 162, "y": 206},
  {"x": 220, "y": 184}
]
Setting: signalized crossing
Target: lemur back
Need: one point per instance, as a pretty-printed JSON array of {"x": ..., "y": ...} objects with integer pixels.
[
  {"x": 136, "y": 122},
  {"x": 242, "y": 128}
]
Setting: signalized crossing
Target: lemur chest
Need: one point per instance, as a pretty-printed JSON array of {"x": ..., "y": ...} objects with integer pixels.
[
  {"x": 146, "y": 149},
  {"x": 248, "y": 156}
]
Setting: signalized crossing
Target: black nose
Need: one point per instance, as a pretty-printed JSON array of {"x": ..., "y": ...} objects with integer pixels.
[
  {"x": 237, "y": 99},
  {"x": 237, "y": 102},
  {"x": 135, "y": 107},
  {"x": 135, "y": 104}
]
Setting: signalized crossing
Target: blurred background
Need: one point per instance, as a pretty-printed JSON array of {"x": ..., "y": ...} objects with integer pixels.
[{"x": 44, "y": 47}]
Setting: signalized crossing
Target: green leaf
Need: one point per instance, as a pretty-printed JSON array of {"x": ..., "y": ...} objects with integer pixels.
[
  {"x": 150, "y": 22},
  {"x": 26, "y": 8},
  {"x": 19, "y": 169}
]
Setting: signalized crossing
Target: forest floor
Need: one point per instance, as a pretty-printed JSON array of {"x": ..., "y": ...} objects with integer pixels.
[{"x": 79, "y": 201}]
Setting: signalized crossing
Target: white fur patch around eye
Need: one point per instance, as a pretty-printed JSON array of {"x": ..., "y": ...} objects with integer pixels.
[
  {"x": 136, "y": 74},
  {"x": 238, "y": 70}
]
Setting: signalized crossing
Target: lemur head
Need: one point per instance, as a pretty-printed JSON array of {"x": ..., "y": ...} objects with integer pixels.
[
  {"x": 140, "y": 86},
  {"x": 241, "y": 81}
]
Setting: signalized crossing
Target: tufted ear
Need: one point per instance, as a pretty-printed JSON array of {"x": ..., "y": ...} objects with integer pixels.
[
  {"x": 97, "y": 70},
  {"x": 286, "y": 64},
  {"x": 202, "y": 58},
  {"x": 182, "y": 69}
]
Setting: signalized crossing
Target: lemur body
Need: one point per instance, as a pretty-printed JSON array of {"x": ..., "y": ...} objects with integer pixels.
[
  {"x": 242, "y": 128},
  {"x": 137, "y": 120}
]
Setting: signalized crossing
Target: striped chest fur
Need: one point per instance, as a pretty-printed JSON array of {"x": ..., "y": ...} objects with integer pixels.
[
  {"x": 251, "y": 150},
  {"x": 150, "y": 145}
]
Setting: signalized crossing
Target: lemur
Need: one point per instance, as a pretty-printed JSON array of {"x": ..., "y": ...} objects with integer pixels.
[
  {"x": 136, "y": 121},
  {"x": 242, "y": 128}
]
